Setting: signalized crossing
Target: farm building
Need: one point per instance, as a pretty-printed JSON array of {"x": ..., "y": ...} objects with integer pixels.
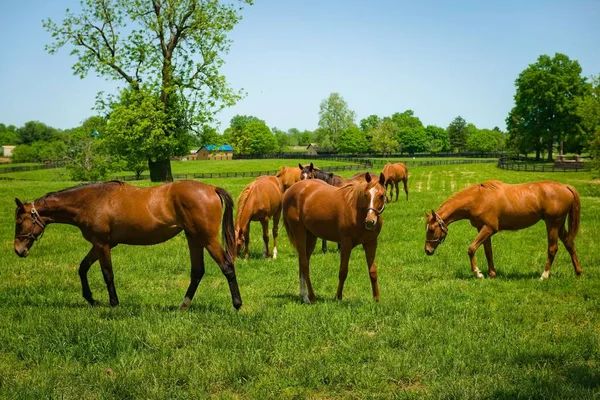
[
  {"x": 212, "y": 152},
  {"x": 312, "y": 149},
  {"x": 7, "y": 150}
]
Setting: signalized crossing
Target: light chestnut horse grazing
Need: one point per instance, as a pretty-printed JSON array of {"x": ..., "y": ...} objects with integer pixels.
[
  {"x": 113, "y": 213},
  {"x": 259, "y": 201},
  {"x": 395, "y": 173},
  {"x": 496, "y": 206},
  {"x": 349, "y": 215}
]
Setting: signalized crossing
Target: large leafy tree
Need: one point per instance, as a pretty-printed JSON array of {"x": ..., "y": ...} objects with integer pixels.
[
  {"x": 485, "y": 140},
  {"x": 8, "y": 135},
  {"x": 588, "y": 109},
  {"x": 250, "y": 135},
  {"x": 34, "y": 131},
  {"x": 384, "y": 137},
  {"x": 335, "y": 117},
  {"x": 353, "y": 140},
  {"x": 437, "y": 139},
  {"x": 545, "y": 104},
  {"x": 173, "y": 47},
  {"x": 458, "y": 134},
  {"x": 411, "y": 133}
]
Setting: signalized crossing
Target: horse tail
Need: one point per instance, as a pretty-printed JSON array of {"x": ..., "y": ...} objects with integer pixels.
[
  {"x": 574, "y": 215},
  {"x": 227, "y": 229}
]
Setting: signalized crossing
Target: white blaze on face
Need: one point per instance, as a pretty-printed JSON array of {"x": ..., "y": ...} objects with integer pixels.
[{"x": 372, "y": 192}]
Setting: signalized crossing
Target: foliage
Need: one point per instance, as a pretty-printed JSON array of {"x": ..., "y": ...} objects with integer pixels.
[
  {"x": 8, "y": 135},
  {"x": 458, "y": 134},
  {"x": 250, "y": 135},
  {"x": 175, "y": 47},
  {"x": 209, "y": 135},
  {"x": 545, "y": 105},
  {"x": 384, "y": 137},
  {"x": 352, "y": 140},
  {"x": 437, "y": 139},
  {"x": 34, "y": 131},
  {"x": 485, "y": 141},
  {"x": 588, "y": 109},
  {"x": 334, "y": 118}
]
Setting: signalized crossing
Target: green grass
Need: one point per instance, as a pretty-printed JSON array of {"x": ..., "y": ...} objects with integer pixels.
[{"x": 436, "y": 333}]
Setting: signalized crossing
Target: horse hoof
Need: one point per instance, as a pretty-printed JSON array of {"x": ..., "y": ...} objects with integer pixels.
[
  {"x": 545, "y": 276},
  {"x": 185, "y": 304},
  {"x": 305, "y": 300},
  {"x": 480, "y": 275}
]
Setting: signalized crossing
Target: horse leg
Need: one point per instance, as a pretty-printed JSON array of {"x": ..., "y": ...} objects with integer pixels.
[
  {"x": 276, "y": 218},
  {"x": 390, "y": 186},
  {"x": 324, "y": 246},
  {"x": 552, "y": 230},
  {"x": 405, "y": 181},
  {"x": 103, "y": 254},
  {"x": 484, "y": 234},
  {"x": 247, "y": 242},
  {"x": 84, "y": 267},
  {"x": 570, "y": 245},
  {"x": 227, "y": 267},
  {"x": 306, "y": 291},
  {"x": 346, "y": 249},
  {"x": 397, "y": 189},
  {"x": 487, "y": 246},
  {"x": 370, "y": 251},
  {"x": 265, "y": 229},
  {"x": 197, "y": 272}
]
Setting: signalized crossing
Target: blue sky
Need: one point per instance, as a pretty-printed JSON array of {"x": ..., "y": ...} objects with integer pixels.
[{"x": 439, "y": 58}]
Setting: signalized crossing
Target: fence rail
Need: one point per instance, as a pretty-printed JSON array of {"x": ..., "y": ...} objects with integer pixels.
[{"x": 519, "y": 165}]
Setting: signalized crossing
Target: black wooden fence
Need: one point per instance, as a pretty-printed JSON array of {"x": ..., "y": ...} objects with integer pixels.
[{"x": 516, "y": 164}]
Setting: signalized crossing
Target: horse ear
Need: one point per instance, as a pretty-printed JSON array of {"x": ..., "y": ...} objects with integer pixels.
[
  {"x": 368, "y": 177},
  {"x": 428, "y": 215},
  {"x": 311, "y": 167},
  {"x": 300, "y": 166},
  {"x": 19, "y": 203},
  {"x": 382, "y": 178}
]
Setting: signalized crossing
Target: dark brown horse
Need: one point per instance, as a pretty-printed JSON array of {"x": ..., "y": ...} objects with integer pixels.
[
  {"x": 350, "y": 215},
  {"x": 495, "y": 206},
  {"x": 395, "y": 173},
  {"x": 259, "y": 201},
  {"x": 113, "y": 213}
]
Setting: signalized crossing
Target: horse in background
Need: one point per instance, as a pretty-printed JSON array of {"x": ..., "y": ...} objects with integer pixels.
[
  {"x": 395, "y": 173},
  {"x": 310, "y": 172},
  {"x": 259, "y": 201},
  {"x": 495, "y": 206},
  {"x": 113, "y": 213},
  {"x": 349, "y": 215},
  {"x": 289, "y": 175}
]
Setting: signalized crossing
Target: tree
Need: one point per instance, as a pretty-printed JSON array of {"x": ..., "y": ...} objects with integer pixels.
[
  {"x": 545, "y": 107},
  {"x": 384, "y": 137},
  {"x": 250, "y": 135},
  {"x": 174, "y": 47},
  {"x": 34, "y": 131},
  {"x": 8, "y": 135},
  {"x": 282, "y": 138},
  {"x": 588, "y": 109},
  {"x": 352, "y": 140},
  {"x": 334, "y": 118},
  {"x": 209, "y": 135},
  {"x": 437, "y": 139},
  {"x": 485, "y": 140},
  {"x": 410, "y": 132},
  {"x": 458, "y": 134}
]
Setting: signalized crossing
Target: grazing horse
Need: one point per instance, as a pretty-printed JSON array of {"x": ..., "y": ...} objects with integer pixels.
[
  {"x": 350, "y": 215},
  {"x": 496, "y": 206},
  {"x": 259, "y": 201},
  {"x": 395, "y": 173},
  {"x": 113, "y": 213}
]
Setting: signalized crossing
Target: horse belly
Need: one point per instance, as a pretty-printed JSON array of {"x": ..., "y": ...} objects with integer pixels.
[
  {"x": 518, "y": 221},
  {"x": 143, "y": 235}
]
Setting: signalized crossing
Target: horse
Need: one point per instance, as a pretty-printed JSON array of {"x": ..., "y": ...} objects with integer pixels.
[
  {"x": 495, "y": 206},
  {"x": 350, "y": 215},
  {"x": 395, "y": 173},
  {"x": 310, "y": 172},
  {"x": 112, "y": 213},
  {"x": 289, "y": 175},
  {"x": 259, "y": 201}
]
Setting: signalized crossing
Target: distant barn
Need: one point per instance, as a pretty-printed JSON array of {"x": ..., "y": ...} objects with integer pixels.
[
  {"x": 312, "y": 149},
  {"x": 212, "y": 152},
  {"x": 7, "y": 150}
]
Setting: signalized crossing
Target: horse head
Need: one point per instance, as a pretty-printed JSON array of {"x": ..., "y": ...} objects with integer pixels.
[
  {"x": 306, "y": 172},
  {"x": 28, "y": 227},
  {"x": 436, "y": 232},
  {"x": 374, "y": 195},
  {"x": 240, "y": 242}
]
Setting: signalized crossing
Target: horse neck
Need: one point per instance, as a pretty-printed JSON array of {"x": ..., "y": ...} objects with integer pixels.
[
  {"x": 62, "y": 208},
  {"x": 242, "y": 218},
  {"x": 455, "y": 209}
]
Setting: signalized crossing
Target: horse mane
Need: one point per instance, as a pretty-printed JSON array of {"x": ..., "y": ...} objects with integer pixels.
[
  {"x": 242, "y": 200},
  {"x": 487, "y": 185},
  {"x": 281, "y": 171},
  {"x": 352, "y": 190},
  {"x": 103, "y": 185},
  {"x": 491, "y": 184}
]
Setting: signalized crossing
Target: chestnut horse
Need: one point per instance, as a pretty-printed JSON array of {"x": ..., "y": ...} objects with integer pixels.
[
  {"x": 496, "y": 206},
  {"x": 113, "y": 213},
  {"x": 395, "y": 173},
  {"x": 350, "y": 215},
  {"x": 259, "y": 201}
]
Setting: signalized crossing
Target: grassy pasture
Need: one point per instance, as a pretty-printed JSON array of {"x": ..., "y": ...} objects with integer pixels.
[{"x": 437, "y": 332}]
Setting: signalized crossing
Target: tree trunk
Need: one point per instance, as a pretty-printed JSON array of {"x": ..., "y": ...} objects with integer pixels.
[
  {"x": 160, "y": 170},
  {"x": 550, "y": 150}
]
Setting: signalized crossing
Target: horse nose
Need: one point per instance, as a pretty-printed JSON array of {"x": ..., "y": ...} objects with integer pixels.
[
  {"x": 22, "y": 253},
  {"x": 370, "y": 224},
  {"x": 429, "y": 251}
]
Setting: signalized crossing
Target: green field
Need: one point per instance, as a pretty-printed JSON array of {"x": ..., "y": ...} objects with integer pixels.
[{"x": 436, "y": 333}]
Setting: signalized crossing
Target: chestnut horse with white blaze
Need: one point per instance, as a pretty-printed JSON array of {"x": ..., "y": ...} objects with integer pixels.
[
  {"x": 259, "y": 201},
  {"x": 113, "y": 213},
  {"x": 349, "y": 215},
  {"x": 395, "y": 173},
  {"x": 495, "y": 206}
]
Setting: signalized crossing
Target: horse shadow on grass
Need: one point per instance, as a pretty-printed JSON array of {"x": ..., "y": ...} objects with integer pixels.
[{"x": 500, "y": 275}]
